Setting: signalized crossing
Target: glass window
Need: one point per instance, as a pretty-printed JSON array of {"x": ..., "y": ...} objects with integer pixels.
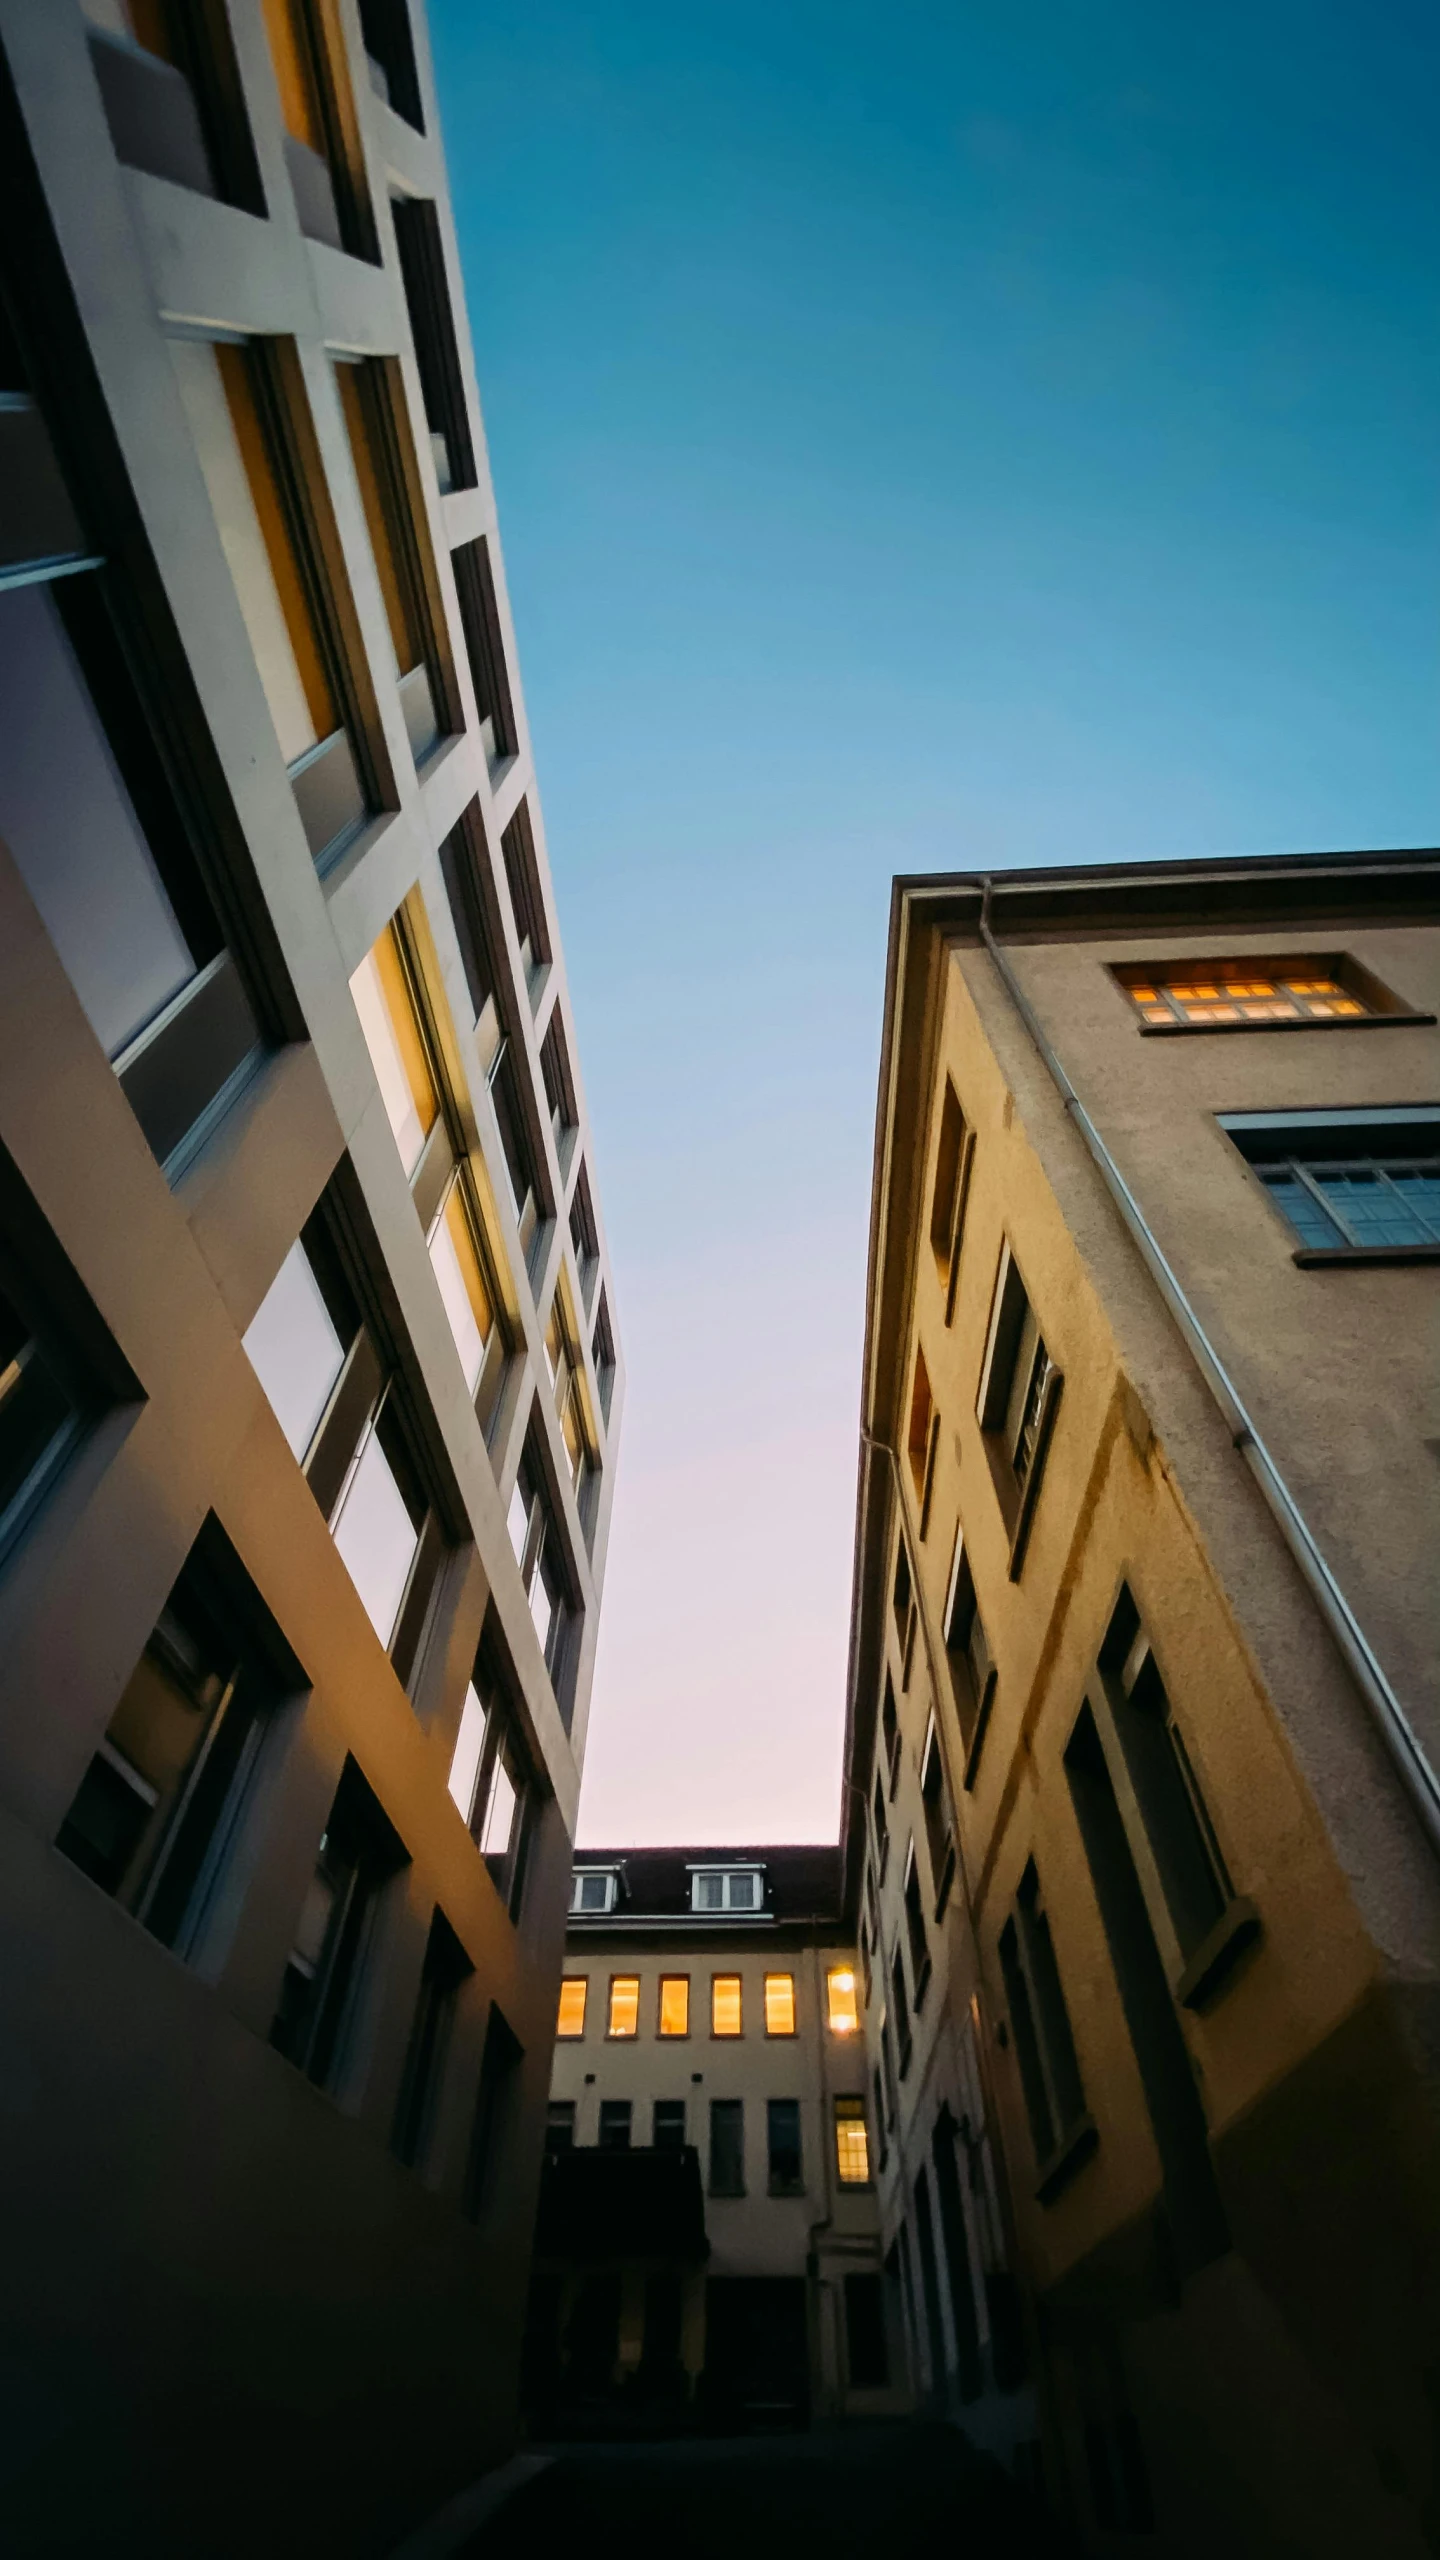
[
  {"x": 574, "y": 1991},
  {"x": 593, "y": 1891},
  {"x": 1215, "y": 993},
  {"x": 489, "y": 1777},
  {"x": 40, "y": 1421},
  {"x": 386, "y": 1006},
  {"x": 841, "y": 2012},
  {"x": 559, "y": 2125},
  {"x": 675, "y": 2004},
  {"x": 359, "y": 1851},
  {"x": 615, "y": 2117},
  {"x": 852, "y": 2143},
  {"x": 726, "y": 1890},
  {"x": 668, "y": 2124},
  {"x": 725, "y": 2012},
  {"x": 1040, "y": 2023},
  {"x": 295, "y": 1350},
  {"x": 727, "y": 2147},
  {"x": 782, "y": 2126},
  {"x": 360, "y": 391},
  {"x": 466, "y": 1300},
  {"x": 377, "y": 1539},
  {"x": 779, "y": 2004},
  {"x": 624, "y": 2017},
  {"x": 445, "y": 1969}
]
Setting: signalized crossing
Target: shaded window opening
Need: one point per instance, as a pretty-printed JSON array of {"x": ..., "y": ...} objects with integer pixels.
[
  {"x": 359, "y": 1852},
  {"x": 445, "y": 1969}
]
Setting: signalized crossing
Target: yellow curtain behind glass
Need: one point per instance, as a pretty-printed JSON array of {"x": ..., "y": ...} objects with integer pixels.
[
  {"x": 675, "y": 2005},
  {"x": 236, "y": 375},
  {"x": 285, "y": 25}
]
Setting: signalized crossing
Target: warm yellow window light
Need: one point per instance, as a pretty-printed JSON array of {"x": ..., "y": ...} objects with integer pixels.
[
  {"x": 456, "y": 1265},
  {"x": 779, "y": 2004},
  {"x": 571, "y": 2021},
  {"x": 393, "y": 1037},
  {"x": 624, "y": 2019},
  {"x": 841, "y": 2006},
  {"x": 675, "y": 2004},
  {"x": 725, "y": 2004},
  {"x": 852, "y": 2143}
]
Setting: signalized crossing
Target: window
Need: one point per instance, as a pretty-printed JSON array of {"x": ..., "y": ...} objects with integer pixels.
[
  {"x": 922, "y": 1439},
  {"x": 725, "y": 2012},
  {"x": 494, "y": 2114},
  {"x": 900, "y": 2011},
  {"x": 359, "y": 1852},
  {"x": 432, "y": 327},
  {"x": 322, "y": 137},
  {"x": 252, "y": 432},
  {"x": 866, "y": 2358},
  {"x": 603, "y": 1348},
  {"x": 594, "y": 1889},
  {"x": 543, "y": 1570},
  {"x": 390, "y": 52},
  {"x": 462, "y": 868},
  {"x": 515, "y": 1146},
  {"x": 615, "y": 2114},
  {"x": 882, "y": 1834},
  {"x": 394, "y": 519},
  {"x": 574, "y": 1991},
  {"x": 522, "y": 873},
  {"x": 485, "y": 648},
  {"x": 1017, "y": 1403},
  {"x": 852, "y": 2143},
  {"x": 1256, "y": 995},
  {"x": 915, "y": 1926},
  {"x": 1352, "y": 1186},
  {"x": 559, "y": 1085},
  {"x": 584, "y": 1235},
  {"x": 490, "y": 1777},
  {"x": 727, "y": 1889},
  {"x": 972, "y": 1672},
  {"x": 668, "y": 2124},
  {"x": 939, "y": 1819},
  {"x": 841, "y": 2015},
  {"x": 1044, "y": 2047},
  {"x": 952, "y": 1184},
  {"x": 58, "y": 1366},
  {"x": 171, "y": 92},
  {"x": 779, "y": 2004},
  {"x": 890, "y": 1735},
  {"x": 674, "y": 2019},
  {"x": 559, "y": 2127},
  {"x": 782, "y": 2128},
  {"x": 727, "y": 2146},
  {"x": 157, "y": 1809},
  {"x": 565, "y": 1376},
  {"x": 385, "y": 1000},
  {"x": 445, "y": 1968},
  {"x": 623, "y": 2018}
]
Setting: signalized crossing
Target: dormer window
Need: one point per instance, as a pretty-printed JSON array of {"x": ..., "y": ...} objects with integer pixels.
[
  {"x": 594, "y": 1889},
  {"x": 727, "y": 1889}
]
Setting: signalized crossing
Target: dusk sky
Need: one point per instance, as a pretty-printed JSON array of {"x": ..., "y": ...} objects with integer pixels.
[{"x": 924, "y": 438}]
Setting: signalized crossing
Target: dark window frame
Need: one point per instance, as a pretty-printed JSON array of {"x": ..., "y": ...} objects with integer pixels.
[
  {"x": 359, "y": 1856},
  {"x": 784, "y": 2143},
  {"x": 973, "y": 1674},
  {"x": 1017, "y": 1428},
  {"x": 485, "y": 643},
  {"x": 443, "y": 1974},
  {"x": 1062, "y": 2131}
]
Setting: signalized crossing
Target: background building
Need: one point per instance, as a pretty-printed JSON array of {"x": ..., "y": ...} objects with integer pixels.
[
  {"x": 1145, "y": 1723},
  {"x": 708, "y": 2249},
  {"x": 309, "y": 1385}
]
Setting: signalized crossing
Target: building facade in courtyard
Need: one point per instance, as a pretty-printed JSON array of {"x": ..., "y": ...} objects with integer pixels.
[
  {"x": 1144, "y": 1716},
  {"x": 707, "y": 2251},
  {"x": 309, "y": 1386}
]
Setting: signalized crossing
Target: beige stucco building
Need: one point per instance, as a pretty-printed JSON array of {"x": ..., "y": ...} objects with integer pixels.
[
  {"x": 709, "y": 2008},
  {"x": 309, "y": 1380},
  {"x": 1144, "y": 1715}
]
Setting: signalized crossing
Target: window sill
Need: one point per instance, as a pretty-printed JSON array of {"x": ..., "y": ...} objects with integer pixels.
[
  {"x": 1314, "y": 1257},
  {"x": 1066, "y": 2162},
  {"x": 1340, "y": 1022},
  {"x": 1210, "y": 1966}
]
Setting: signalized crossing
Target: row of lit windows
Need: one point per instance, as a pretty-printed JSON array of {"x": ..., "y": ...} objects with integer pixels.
[{"x": 672, "y": 2004}]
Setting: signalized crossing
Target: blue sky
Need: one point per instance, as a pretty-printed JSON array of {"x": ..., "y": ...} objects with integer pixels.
[{"x": 924, "y": 438}]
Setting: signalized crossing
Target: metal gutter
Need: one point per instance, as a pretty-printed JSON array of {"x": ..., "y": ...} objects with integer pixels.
[{"x": 1421, "y": 1783}]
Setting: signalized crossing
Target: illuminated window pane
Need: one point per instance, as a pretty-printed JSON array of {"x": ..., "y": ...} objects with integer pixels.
[
  {"x": 779, "y": 2004},
  {"x": 725, "y": 2004},
  {"x": 675, "y": 2004},
  {"x": 456, "y": 1266},
  {"x": 840, "y": 2001},
  {"x": 624, "y": 2019},
  {"x": 397, "y": 1050},
  {"x": 852, "y": 2143},
  {"x": 571, "y": 2020}
]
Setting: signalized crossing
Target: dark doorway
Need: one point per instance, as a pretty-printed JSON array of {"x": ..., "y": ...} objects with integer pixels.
[{"x": 757, "y": 2353}]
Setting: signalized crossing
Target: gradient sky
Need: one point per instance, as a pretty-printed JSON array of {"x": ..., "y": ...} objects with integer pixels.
[{"x": 924, "y": 437}]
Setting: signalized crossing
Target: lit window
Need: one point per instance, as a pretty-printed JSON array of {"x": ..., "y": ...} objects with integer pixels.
[
  {"x": 852, "y": 2143},
  {"x": 779, "y": 2004},
  {"x": 726, "y": 1889},
  {"x": 675, "y": 2004},
  {"x": 624, "y": 2018},
  {"x": 725, "y": 2004},
  {"x": 573, "y": 1993},
  {"x": 466, "y": 1300},
  {"x": 386, "y": 1006},
  {"x": 593, "y": 1890},
  {"x": 840, "y": 2004},
  {"x": 1215, "y": 994}
]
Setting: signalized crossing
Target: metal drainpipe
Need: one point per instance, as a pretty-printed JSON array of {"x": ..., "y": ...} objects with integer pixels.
[{"x": 1396, "y": 1731}]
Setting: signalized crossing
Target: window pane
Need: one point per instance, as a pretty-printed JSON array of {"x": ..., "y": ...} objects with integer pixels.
[
  {"x": 1375, "y": 1211},
  {"x": 295, "y": 1350},
  {"x": 615, "y": 2124},
  {"x": 377, "y": 1538},
  {"x": 840, "y": 2001},
  {"x": 744, "y": 1893},
  {"x": 36, "y": 1411},
  {"x": 542, "y": 1608},
  {"x": 668, "y": 2133},
  {"x": 709, "y": 1893},
  {"x": 397, "y": 1050},
  {"x": 456, "y": 1266},
  {"x": 779, "y": 2004},
  {"x": 499, "y": 1813},
  {"x": 572, "y": 2005},
  {"x": 1303, "y": 1211},
  {"x": 852, "y": 2142},
  {"x": 624, "y": 2019},
  {"x": 375, "y": 497},
  {"x": 67, "y": 820},
  {"x": 517, "y": 1520},
  {"x": 727, "y": 2147},
  {"x": 675, "y": 2005},
  {"x": 469, "y": 1743},
  {"x": 783, "y": 2132},
  {"x": 725, "y": 2004}
]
